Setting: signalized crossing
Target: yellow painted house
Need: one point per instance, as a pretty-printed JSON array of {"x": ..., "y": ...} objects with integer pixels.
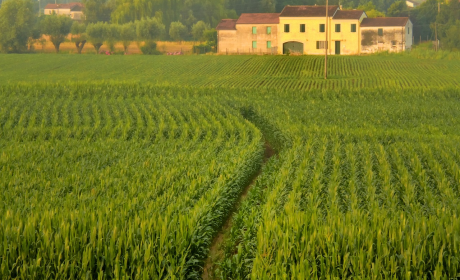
[{"x": 298, "y": 30}]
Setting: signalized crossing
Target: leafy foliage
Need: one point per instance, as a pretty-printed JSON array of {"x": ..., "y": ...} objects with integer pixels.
[
  {"x": 57, "y": 27},
  {"x": 177, "y": 31},
  {"x": 16, "y": 24},
  {"x": 96, "y": 34},
  {"x": 78, "y": 32}
]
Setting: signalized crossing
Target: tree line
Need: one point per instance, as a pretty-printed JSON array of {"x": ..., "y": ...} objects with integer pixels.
[
  {"x": 112, "y": 21},
  {"x": 21, "y": 28}
]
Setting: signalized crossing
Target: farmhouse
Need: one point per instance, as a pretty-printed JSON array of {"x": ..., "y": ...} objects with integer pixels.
[
  {"x": 302, "y": 30},
  {"x": 249, "y": 33},
  {"x": 386, "y": 34},
  {"x": 73, "y": 10}
]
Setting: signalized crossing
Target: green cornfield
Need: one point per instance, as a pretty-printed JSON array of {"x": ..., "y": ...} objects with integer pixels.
[
  {"x": 282, "y": 72},
  {"x": 133, "y": 179}
]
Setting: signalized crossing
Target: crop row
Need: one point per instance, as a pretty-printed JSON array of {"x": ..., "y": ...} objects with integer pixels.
[
  {"x": 280, "y": 72},
  {"x": 83, "y": 199}
]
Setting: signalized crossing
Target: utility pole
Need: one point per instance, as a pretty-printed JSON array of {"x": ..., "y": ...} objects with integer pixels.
[{"x": 326, "y": 47}]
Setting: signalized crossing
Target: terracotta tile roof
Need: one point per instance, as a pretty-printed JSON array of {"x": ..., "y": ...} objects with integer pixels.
[
  {"x": 308, "y": 11},
  {"x": 227, "y": 24},
  {"x": 384, "y": 22},
  {"x": 63, "y": 6},
  {"x": 259, "y": 18},
  {"x": 348, "y": 14}
]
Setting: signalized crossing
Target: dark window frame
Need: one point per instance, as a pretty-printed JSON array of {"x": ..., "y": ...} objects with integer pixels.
[
  {"x": 353, "y": 27},
  {"x": 287, "y": 28},
  {"x": 322, "y": 27},
  {"x": 302, "y": 28}
]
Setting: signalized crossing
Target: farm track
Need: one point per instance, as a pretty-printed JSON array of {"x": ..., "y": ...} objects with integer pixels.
[{"x": 215, "y": 252}]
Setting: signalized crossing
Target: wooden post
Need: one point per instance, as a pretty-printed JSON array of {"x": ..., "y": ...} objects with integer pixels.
[{"x": 326, "y": 47}]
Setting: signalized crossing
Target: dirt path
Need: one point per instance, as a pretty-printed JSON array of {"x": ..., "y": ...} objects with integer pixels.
[{"x": 215, "y": 252}]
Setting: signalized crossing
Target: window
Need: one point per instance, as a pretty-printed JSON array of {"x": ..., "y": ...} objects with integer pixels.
[
  {"x": 302, "y": 28},
  {"x": 380, "y": 31},
  {"x": 353, "y": 27},
  {"x": 254, "y": 44},
  {"x": 254, "y": 30},
  {"x": 320, "y": 45},
  {"x": 337, "y": 28},
  {"x": 286, "y": 28},
  {"x": 408, "y": 30},
  {"x": 322, "y": 28},
  {"x": 269, "y": 30},
  {"x": 269, "y": 44}
]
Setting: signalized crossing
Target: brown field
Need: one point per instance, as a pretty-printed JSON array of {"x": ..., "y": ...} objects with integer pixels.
[{"x": 163, "y": 46}]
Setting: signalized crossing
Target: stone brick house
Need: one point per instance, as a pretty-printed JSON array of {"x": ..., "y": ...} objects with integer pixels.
[{"x": 392, "y": 34}]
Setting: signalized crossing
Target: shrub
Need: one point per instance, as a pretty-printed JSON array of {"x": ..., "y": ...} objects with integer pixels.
[{"x": 150, "y": 48}]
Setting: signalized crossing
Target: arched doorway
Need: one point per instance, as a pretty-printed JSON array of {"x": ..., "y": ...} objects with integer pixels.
[{"x": 293, "y": 47}]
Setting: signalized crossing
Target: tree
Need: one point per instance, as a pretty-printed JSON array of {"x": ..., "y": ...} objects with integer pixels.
[
  {"x": 370, "y": 10},
  {"x": 398, "y": 9},
  {"x": 57, "y": 27},
  {"x": 198, "y": 30},
  {"x": 16, "y": 24},
  {"x": 177, "y": 31},
  {"x": 149, "y": 29},
  {"x": 78, "y": 32},
  {"x": 95, "y": 33},
  {"x": 98, "y": 10},
  {"x": 111, "y": 35},
  {"x": 127, "y": 34},
  {"x": 452, "y": 39},
  {"x": 422, "y": 17},
  {"x": 210, "y": 36},
  {"x": 447, "y": 24},
  {"x": 35, "y": 36}
]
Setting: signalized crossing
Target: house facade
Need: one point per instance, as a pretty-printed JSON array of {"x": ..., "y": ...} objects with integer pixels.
[
  {"x": 302, "y": 30},
  {"x": 73, "y": 10},
  {"x": 386, "y": 34},
  {"x": 250, "y": 33}
]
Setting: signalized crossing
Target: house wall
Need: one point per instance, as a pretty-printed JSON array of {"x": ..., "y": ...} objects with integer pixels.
[
  {"x": 57, "y": 11},
  {"x": 349, "y": 41},
  {"x": 409, "y": 35},
  {"x": 227, "y": 41},
  {"x": 246, "y": 38},
  {"x": 308, "y": 38},
  {"x": 77, "y": 15},
  {"x": 394, "y": 39}
]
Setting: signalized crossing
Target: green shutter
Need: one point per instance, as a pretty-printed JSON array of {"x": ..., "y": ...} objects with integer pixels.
[
  {"x": 353, "y": 27},
  {"x": 322, "y": 28},
  {"x": 380, "y": 31},
  {"x": 317, "y": 45},
  {"x": 269, "y": 30},
  {"x": 269, "y": 44},
  {"x": 302, "y": 28},
  {"x": 337, "y": 28},
  {"x": 254, "y": 30},
  {"x": 254, "y": 44},
  {"x": 286, "y": 28}
]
